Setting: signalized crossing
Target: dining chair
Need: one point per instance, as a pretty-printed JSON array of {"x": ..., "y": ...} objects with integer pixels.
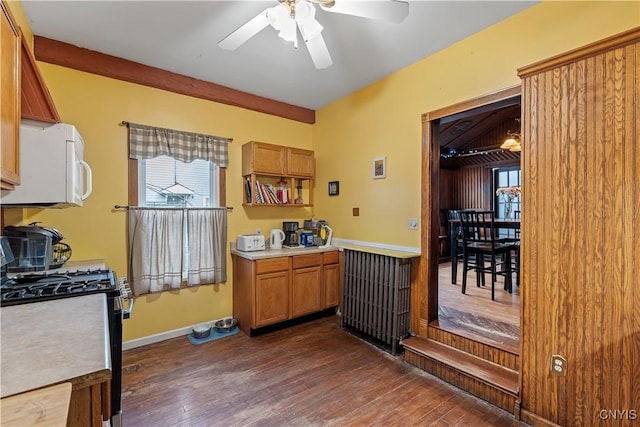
[
  {"x": 479, "y": 243},
  {"x": 516, "y": 262},
  {"x": 455, "y": 241}
]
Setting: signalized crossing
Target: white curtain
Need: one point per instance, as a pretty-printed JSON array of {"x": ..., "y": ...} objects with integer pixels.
[
  {"x": 162, "y": 256},
  {"x": 207, "y": 237},
  {"x": 155, "y": 243}
]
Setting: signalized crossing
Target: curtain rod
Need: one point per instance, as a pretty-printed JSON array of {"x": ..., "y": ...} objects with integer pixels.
[
  {"x": 126, "y": 124},
  {"x": 229, "y": 208}
]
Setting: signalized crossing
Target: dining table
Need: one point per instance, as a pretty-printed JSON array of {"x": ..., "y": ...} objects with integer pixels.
[{"x": 454, "y": 227}]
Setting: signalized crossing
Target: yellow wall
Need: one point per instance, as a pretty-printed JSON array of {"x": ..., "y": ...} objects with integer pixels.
[
  {"x": 96, "y": 105},
  {"x": 383, "y": 119}
]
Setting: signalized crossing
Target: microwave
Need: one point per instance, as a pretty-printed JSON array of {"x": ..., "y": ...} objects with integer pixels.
[{"x": 52, "y": 170}]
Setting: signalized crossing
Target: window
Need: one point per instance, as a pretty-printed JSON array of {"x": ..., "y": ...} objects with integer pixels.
[
  {"x": 176, "y": 199},
  {"x": 506, "y": 177},
  {"x": 164, "y": 181}
]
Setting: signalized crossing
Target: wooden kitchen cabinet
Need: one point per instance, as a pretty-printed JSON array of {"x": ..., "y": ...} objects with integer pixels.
[
  {"x": 306, "y": 284},
  {"x": 270, "y": 159},
  {"x": 268, "y": 164},
  {"x": 272, "y": 296},
  {"x": 10, "y": 100},
  {"x": 331, "y": 279},
  {"x": 300, "y": 163},
  {"x": 269, "y": 291},
  {"x": 90, "y": 403}
]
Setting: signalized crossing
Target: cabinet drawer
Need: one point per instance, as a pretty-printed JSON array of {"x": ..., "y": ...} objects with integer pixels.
[
  {"x": 272, "y": 264},
  {"x": 301, "y": 261},
  {"x": 330, "y": 257}
]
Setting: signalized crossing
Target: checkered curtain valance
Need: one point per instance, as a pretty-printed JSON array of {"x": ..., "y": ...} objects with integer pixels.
[{"x": 146, "y": 142}]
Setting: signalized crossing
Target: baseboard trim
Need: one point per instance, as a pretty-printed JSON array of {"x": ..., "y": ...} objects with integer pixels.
[
  {"x": 152, "y": 339},
  {"x": 533, "y": 419}
]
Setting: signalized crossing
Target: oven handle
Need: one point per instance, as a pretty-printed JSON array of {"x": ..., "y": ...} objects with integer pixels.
[
  {"x": 127, "y": 313},
  {"x": 125, "y": 295}
]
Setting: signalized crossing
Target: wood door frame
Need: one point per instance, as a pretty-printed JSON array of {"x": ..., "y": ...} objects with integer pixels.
[{"x": 425, "y": 298}]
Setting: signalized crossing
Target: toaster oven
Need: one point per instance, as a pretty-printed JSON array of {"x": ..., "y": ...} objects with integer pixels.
[{"x": 250, "y": 242}]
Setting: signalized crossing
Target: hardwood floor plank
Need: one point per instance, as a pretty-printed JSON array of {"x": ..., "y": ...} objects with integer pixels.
[
  {"x": 474, "y": 315},
  {"x": 313, "y": 374}
]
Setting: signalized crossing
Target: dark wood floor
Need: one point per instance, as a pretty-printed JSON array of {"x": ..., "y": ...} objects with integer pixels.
[
  {"x": 474, "y": 315},
  {"x": 313, "y": 374}
]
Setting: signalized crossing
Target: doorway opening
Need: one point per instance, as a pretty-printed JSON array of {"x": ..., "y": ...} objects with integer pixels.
[{"x": 465, "y": 167}]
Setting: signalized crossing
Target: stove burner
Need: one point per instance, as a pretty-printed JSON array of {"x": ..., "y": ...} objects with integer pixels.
[{"x": 42, "y": 287}]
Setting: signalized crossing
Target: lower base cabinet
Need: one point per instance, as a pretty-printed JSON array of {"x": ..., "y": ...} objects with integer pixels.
[
  {"x": 90, "y": 404},
  {"x": 273, "y": 290},
  {"x": 272, "y": 293}
]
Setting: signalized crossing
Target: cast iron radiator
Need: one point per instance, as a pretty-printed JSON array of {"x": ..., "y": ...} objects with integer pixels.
[{"x": 376, "y": 298}]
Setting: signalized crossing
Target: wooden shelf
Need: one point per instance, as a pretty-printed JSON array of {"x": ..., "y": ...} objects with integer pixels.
[{"x": 277, "y": 205}]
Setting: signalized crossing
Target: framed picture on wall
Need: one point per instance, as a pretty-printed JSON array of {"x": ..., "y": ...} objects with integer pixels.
[
  {"x": 379, "y": 167},
  {"x": 334, "y": 188}
]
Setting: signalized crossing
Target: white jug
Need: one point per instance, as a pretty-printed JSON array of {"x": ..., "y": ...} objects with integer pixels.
[{"x": 276, "y": 238}]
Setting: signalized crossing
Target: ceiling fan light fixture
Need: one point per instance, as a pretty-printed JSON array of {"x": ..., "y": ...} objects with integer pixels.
[
  {"x": 288, "y": 32},
  {"x": 278, "y": 15},
  {"x": 280, "y": 19},
  {"x": 306, "y": 19}
]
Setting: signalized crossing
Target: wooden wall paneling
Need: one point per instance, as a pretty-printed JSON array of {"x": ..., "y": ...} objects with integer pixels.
[
  {"x": 447, "y": 189},
  {"x": 581, "y": 165},
  {"x": 472, "y": 188}
]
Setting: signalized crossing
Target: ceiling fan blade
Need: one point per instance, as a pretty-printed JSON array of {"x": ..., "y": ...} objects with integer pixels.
[
  {"x": 245, "y": 32},
  {"x": 319, "y": 53},
  {"x": 390, "y": 10}
]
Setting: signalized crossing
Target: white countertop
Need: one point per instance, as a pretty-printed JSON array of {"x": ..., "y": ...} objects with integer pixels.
[
  {"x": 381, "y": 251},
  {"x": 49, "y": 342},
  {"x": 277, "y": 253}
]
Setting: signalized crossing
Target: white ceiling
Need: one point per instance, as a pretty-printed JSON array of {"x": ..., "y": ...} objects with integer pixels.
[{"x": 182, "y": 37}]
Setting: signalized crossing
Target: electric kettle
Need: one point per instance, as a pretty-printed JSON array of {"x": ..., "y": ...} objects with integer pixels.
[{"x": 276, "y": 238}]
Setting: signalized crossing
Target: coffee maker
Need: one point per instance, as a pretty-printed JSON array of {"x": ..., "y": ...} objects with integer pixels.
[{"x": 290, "y": 229}]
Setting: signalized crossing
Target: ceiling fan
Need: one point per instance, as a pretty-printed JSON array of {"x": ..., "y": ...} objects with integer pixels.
[{"x": 289, "y": 17}]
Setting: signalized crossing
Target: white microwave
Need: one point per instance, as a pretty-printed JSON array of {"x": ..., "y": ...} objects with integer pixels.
[{"x": 52, "y": 170}]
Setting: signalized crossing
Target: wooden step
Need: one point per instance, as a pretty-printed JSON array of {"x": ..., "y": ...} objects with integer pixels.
[
  {"x": 474, "y": 344},
  {"x": 487, "y": 380}
]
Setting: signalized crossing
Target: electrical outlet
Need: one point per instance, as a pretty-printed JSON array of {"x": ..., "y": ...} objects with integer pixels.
[
  {"x": 558, "y": 365},
  {"x": 413, "y": 223}
]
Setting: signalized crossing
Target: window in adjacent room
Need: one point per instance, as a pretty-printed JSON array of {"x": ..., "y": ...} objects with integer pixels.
[{"x": 506, "y": 177}]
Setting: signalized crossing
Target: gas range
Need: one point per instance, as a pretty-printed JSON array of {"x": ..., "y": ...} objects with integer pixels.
[
  {"x": 37, "y": 287},
  {"x": 25, "y": 288}
]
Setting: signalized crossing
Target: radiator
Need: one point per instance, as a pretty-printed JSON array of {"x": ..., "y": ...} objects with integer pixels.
[{"x": 376, "y": 298}]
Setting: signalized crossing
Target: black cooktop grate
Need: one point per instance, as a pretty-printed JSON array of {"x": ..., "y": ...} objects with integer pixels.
[{"x": 42, "y": 287}]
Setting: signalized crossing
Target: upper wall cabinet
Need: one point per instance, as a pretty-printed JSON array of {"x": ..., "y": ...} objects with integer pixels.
[
  {"x": 276, "y": 175},
  {"x": 10, "y": 100},
  {"x": 300, "y": 163},
  {"x": 269, "y": 159},
  {"x": 37, "y": 103}
]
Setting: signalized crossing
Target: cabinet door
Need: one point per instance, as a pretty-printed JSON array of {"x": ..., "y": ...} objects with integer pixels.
[
  {"x": 272, "y": 298},
  {"x": 331, "y": 276},
  {"x": 306, "y": 292},
  {"x": 262, "y": 158},
  {"x": 10, "y": 100},
  {"x": 300, "y": 162}
]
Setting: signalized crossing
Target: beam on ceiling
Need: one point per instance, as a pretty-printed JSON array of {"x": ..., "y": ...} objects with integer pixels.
[{"x": 77, "y": 58}]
